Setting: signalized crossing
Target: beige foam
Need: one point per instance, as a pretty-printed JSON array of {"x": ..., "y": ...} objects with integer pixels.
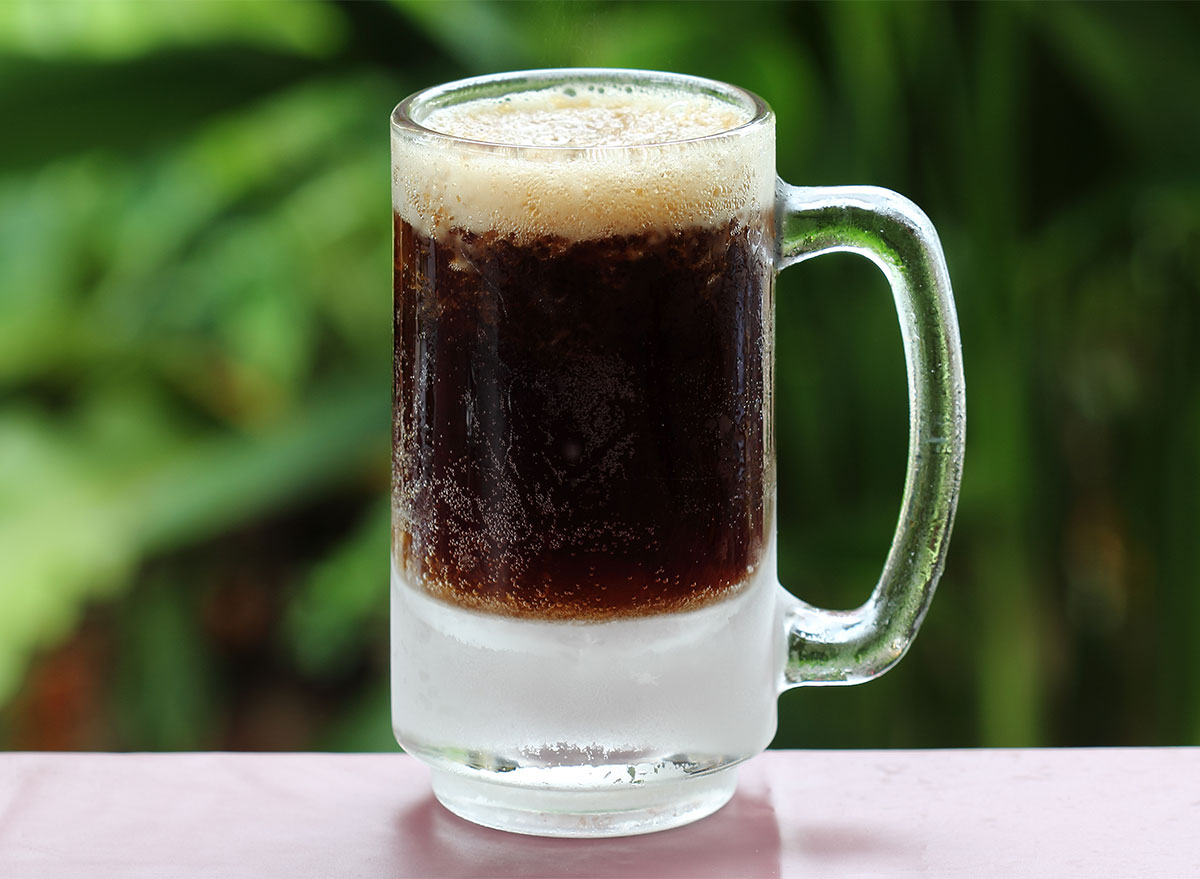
[
  {"x": 588, "y": 165},
  {"x": 585, "y": 117}
]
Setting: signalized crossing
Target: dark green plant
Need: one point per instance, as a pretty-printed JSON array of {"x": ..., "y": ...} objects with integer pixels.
[{"x": 194, "y": 350}]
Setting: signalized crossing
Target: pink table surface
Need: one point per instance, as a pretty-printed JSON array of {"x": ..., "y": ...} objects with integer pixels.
[{"x": 1051, "y": 813}]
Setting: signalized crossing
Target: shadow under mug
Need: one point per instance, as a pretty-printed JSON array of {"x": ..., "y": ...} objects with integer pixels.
[{"x": 587, "y": 630}]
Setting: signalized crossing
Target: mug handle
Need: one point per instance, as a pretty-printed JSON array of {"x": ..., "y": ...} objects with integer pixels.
[{"x": 827, "y": 647}]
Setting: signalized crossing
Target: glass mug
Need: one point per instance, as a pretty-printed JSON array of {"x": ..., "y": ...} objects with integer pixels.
[{"x": 587, "y": 630}]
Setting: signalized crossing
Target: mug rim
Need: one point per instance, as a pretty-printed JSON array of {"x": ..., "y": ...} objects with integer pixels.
[{"x": 496, "y": 84}]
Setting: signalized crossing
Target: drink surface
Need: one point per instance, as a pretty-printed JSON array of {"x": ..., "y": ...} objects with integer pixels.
[
  {"x": 588, "y": 116},
  {"x": 581, "y": 356},
  {"x": 591, "y": 165}
]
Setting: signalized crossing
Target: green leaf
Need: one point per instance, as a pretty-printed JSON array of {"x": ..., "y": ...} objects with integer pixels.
[
  {"x": 72, "y": 529},
  {"x": 342, "y": 600},
  {"x": 73, "y": 107},
  {"x": 118, "y": 29}
]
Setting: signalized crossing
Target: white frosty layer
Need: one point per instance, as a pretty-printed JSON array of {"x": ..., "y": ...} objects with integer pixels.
[
  {"x": 584, "y": 165},
  {"x": 702, "y": 682}
]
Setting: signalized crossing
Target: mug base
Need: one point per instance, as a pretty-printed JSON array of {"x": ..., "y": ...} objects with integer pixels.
[{"x": 586, "y": 813}]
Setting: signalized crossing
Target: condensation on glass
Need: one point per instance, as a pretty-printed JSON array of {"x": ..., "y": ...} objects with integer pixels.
[{"x": 587, "y": 630}]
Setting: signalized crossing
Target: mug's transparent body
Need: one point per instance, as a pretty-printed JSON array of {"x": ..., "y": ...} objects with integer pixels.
[
  {"x": 588, "y": 633},
  {"x": 591, "y": 728}
]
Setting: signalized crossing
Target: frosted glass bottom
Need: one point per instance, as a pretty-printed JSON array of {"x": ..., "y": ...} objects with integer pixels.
[
  {"x": 585, "y": 812},
  {"x": 586, "y": 729}
]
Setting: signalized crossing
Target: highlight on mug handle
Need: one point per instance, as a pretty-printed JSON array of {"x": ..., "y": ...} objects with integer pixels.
[{"x": 827, "y": 647}]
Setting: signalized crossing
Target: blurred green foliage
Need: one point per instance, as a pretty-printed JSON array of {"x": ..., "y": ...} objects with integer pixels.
[{"x": 195, "y": 326}]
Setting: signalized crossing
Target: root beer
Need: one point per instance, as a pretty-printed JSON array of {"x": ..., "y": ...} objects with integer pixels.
[{"x": 580, "y": 421}]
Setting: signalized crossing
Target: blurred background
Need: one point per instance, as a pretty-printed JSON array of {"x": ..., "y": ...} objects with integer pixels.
[{"x": 195, "y": 354}]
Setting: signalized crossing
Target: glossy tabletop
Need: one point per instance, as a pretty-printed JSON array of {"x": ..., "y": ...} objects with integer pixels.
[{"x": 1052, "y": 813}]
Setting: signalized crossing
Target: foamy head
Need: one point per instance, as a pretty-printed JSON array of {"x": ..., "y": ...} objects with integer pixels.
[
  {"x": 588, "y": 116},
  {"x": 582, "y": 161}
]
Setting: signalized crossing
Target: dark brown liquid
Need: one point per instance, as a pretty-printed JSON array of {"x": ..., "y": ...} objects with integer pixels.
[{"x": 579, "y": 426}]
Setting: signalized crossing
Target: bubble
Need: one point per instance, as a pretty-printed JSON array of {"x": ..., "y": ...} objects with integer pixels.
[{"x": 666, "y": 182}]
